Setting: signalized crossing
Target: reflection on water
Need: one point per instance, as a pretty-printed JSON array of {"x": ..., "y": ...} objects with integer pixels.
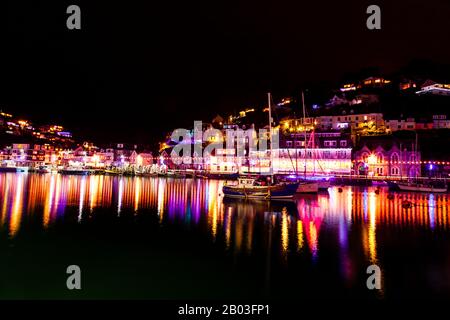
[
  {"x": 299, "y": 221},
  {"x": 351, "y": 220},
  {"x": 190, "y": 199}
]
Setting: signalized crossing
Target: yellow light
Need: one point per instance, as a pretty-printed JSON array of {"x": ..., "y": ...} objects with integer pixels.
[
  {"x": 96, "y": 159},
  {"x": 139, "y": 160},
  {"x": 372, "y": 159}
]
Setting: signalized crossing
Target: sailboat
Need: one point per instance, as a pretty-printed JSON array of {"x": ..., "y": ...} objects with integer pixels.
[
  {"x": 306, "y": 186},
  {"x": 252, "y": 188},
  {"x": 423, "y": 186},
  {"x": 323, "y": 180}
]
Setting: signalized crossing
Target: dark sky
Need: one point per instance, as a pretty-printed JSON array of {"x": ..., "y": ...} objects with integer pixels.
[{"x": 136, "y": 69}]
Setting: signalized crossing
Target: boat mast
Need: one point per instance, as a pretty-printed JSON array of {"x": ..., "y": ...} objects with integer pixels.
[
  {"x": 270, "y": 136},
  {"x": 304, "y": 127},
  {"x": 313, "y": 141},
  {"x": 415, "y": 157}
]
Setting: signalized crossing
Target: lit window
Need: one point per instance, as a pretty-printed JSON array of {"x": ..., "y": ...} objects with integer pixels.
[
  {"x": 394, "y": 157},
  {"x": 380, "y": 157}
]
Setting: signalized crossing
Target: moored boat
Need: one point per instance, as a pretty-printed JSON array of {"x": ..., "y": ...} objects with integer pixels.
[
  {"x": 43, "y": 169},
  {"x": 223, "y": 176},
  {"x": 11, "y": 166},
  {"x": 112, "y": 172},
  {"x": 249, "y": 188},
  {"x": 421, "y": 187},
  {"x": 75, "y": 171},
  {"x": 8, "y": 169}
]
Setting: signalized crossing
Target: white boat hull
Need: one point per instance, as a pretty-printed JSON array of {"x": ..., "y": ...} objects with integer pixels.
[
  {"x": 421, "y": 188},
  {"x": 248, "y": 191}
]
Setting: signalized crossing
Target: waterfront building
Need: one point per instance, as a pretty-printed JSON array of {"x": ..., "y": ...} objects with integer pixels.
[
  {"x": 122, "y": 153},
  {"x": 224, "y": 161},
  {"x": 387, "y": 157},
  {"x": 314, "y": 153},
  {"x": 335, "y": 122},
  {"x": 32, "y": 155},
  {"x": 440, "y": 121},
  {"x": 424, "y": 124},
  {"x": 400, "y": 124},
  {"x": 349, "y": 121}
]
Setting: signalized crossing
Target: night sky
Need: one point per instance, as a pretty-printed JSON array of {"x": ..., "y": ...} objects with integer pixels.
[{"x": 135, "y": 70}]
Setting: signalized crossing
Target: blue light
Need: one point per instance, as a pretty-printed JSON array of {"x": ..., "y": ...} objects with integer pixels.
[{"x": 430, "y": 167}]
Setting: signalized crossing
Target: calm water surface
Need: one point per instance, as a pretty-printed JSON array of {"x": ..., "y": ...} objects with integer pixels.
[{"x": 178, "y": 239}]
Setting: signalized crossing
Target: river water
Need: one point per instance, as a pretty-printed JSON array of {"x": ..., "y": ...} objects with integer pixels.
[{"x": 161, "y": 238}]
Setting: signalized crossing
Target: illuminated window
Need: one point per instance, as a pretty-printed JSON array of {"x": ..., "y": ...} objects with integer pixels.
[
  {"x": 395, "y": 171},
  {"x": 365, "y": 156},
  {"x": 394, "y": 157},
  {"x": 341, "y": 154},
  {"x": 380, "y": 157}
]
